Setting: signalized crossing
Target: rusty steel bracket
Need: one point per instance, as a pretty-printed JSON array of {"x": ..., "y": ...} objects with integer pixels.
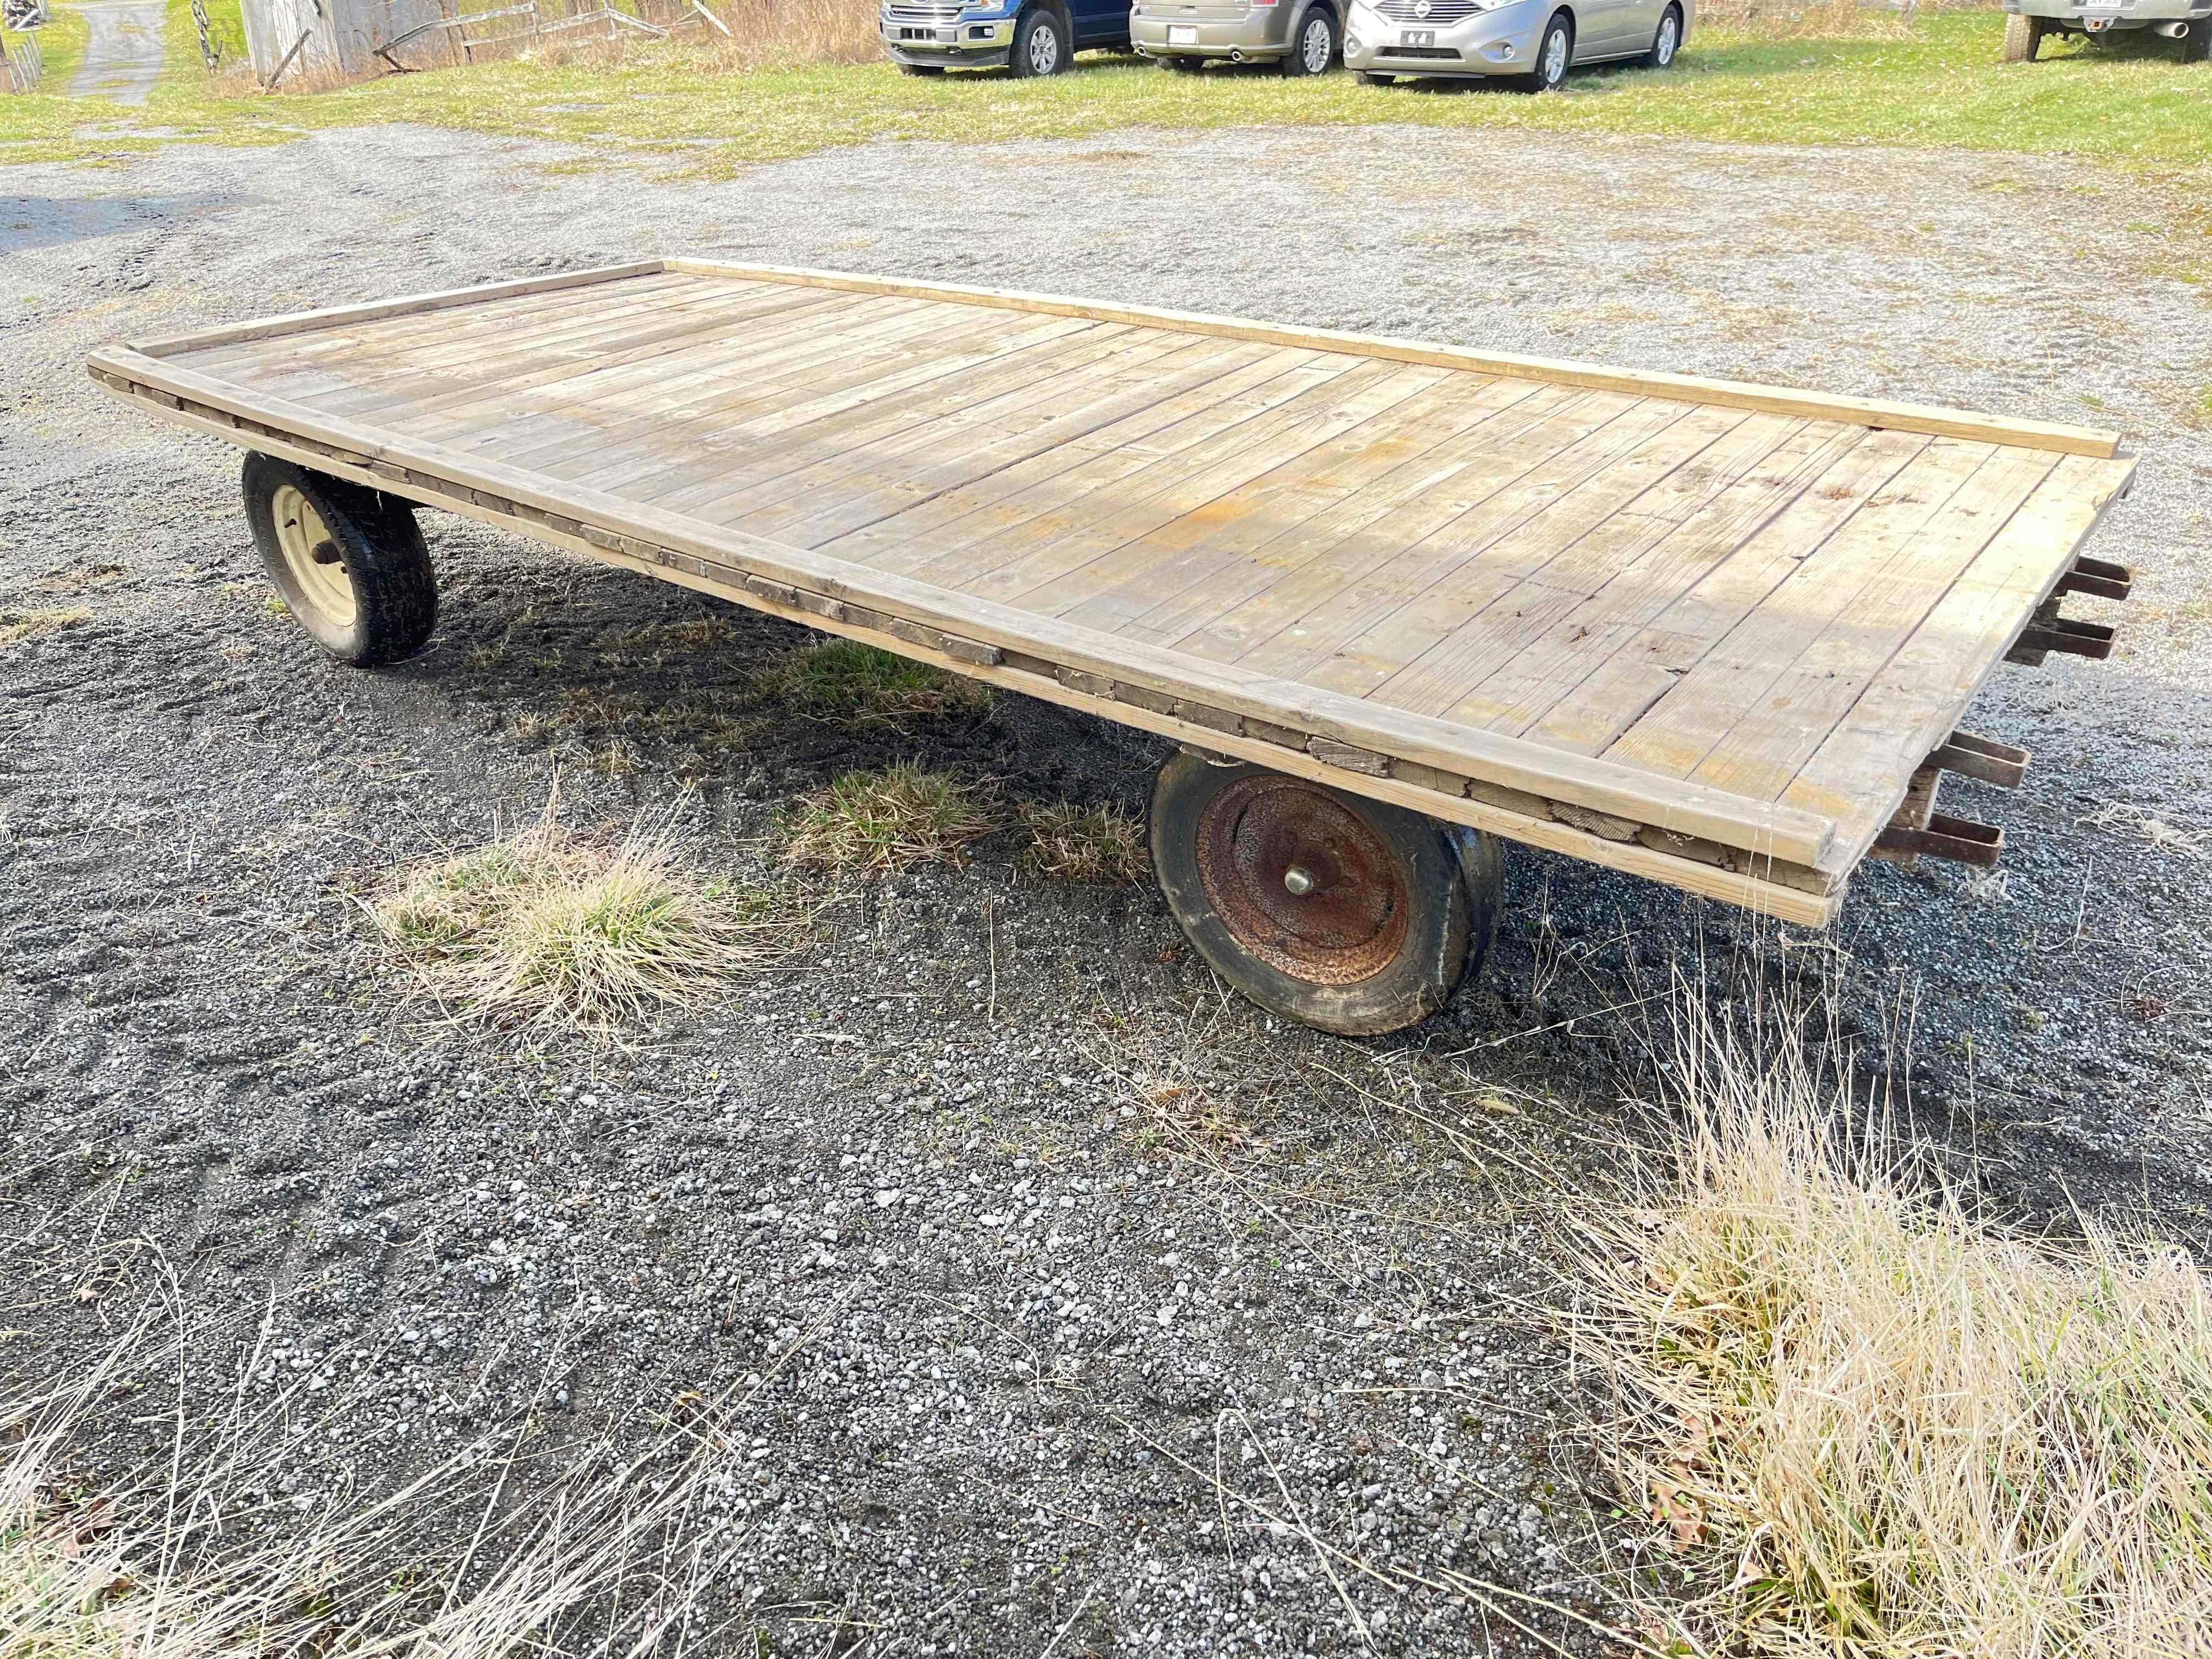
[
  {"x": 2097, "y": 577},
  {"x": 1983, "y": 759},
  {"x": 2048, "y": 631},
  {"x": 1917, "y": 828},
  {"x": 1960, "y": 840}
]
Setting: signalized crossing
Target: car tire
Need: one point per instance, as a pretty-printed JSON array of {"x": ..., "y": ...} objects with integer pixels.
[
  {"x": 2196, "y": 44},
  {"x": 921, "y": 69},
  {"x": 1041, "y": 46},
  {"x": 2023, "y": 38},
  {"x": 1549, "y": 72},
  {"x": 349, "y": 561},
  {"x": 1313, "y": 45},
  {"x": 1370, "y": 78},
  {"x": 1391, "y": 910},
  {"x": 1667, "y": 41}
]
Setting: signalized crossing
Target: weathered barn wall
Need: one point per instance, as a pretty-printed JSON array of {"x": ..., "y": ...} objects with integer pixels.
[{"x": 342, "y": 35}]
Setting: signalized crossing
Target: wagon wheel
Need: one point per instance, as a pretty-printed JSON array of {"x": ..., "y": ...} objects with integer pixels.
[
  {"x": 348, "y": 562},
  {"x": 1348, "y": 915}
]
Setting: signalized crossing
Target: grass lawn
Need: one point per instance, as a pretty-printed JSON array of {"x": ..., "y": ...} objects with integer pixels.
[
  {"x": 61, "y": 43},
  {"x": 1942, "y": 85}
]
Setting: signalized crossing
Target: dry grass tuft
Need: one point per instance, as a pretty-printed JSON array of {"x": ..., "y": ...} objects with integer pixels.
[
  {"x": 17, "y": 626},
  {"x": 902, "y": 815},
  {"x": 1880, "y": 1426},
  {"x": 762, "y": 33},
  {"x": 546, "y": 928},
  {"x": 1085, "y": 843},
  {"x": 848, "y": 683},
  {"x": 797, "y": 31},
  {"x": 2117, "y": 816}
]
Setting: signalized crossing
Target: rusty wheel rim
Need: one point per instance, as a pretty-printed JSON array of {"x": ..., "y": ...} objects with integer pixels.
[{"x": 1302, "y": 881}]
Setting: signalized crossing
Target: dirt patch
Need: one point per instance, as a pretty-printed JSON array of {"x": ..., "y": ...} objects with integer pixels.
[{"x": 1049, "y": 1258}]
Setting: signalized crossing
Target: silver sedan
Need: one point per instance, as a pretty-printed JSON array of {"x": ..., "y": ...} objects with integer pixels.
[{"x": 1537, "y": 41}]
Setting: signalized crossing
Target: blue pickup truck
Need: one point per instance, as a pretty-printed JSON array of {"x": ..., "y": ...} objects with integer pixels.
[{"x": 1030, "y": 37}]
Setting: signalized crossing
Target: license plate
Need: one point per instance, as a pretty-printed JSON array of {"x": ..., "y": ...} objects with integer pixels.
[
  {"x": 1182, "y": 34},
  {"x": 2104, "y": 5},
  {"x": 1417, "y": 37},
  {"x": 947, "y": 37}
]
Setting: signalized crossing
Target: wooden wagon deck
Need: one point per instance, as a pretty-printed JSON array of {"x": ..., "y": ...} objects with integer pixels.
[{"x": 1704, "y": 632}]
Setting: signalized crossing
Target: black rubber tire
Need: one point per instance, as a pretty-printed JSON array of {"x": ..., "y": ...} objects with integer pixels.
[
  {"x": 1652, "y": 60},
  {"x": 1537, "y": 79},
  {"x": 1370, "y": 78},
  {"x": 1293, "y": 65},
  {"x": 2023, "y": 38},
  {"x": 921, "y": 69},
  {"x": 2196, "y": 44},
  {"x": 379, "y": 547},
  {"x": 1452, "y": 880},
  {"x": 1020, "y": 62}
]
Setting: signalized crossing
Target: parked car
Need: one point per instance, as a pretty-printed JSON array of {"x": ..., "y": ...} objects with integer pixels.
[
  {"x": 1301, "y": 37},
  {"x": 2029, "y": 23},
  {"x": 1029, "y": 37},
  {"x": 1535, "y": 41}
]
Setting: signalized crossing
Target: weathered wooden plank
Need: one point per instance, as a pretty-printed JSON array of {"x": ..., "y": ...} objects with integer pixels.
[
  {"x": 974, "y": 527},
  {"x": 664, "y": 426},
  {"x": 1226, "y": 530},
  {"x": 1685, "y": 726},
  {"x": 1305, "y": 601},
  {"x": 1675, "y": 631},
  {"x": 412, "y": 335},
  {"x": 300, "y": 322},
  {"x": 1368, "y": 630},
  {"x": 731, "y": 362},
  {"x": 1214, "y": 583},
  {"x": 468, "y": 382},
  {"x": 1645, "y": 575},
  {"x": 1858, "y": 773},
  {"x": 1775, "y": 736},
  {"x": 1372, "y": 474},
  {"x": 823, "y": 491},
  {"x": 1211, "y": 478},
  {"x": 1467, "y": 625},
  {"x": 1972, "y": 424}
]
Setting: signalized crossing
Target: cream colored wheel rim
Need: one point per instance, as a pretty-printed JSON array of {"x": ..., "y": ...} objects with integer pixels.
[{"x": 322, "y": 581}]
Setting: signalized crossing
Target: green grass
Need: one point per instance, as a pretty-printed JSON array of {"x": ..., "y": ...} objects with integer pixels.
[
  {"x": 226, "y": 32},
  {"x": 1941, "y": 87},
  {"x": 872, "y": 821},
  {"x": 846, "y": 683},
  {"x": 62, "y": 45}
]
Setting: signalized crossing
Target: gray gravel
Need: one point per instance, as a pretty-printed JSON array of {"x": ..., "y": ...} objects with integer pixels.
[{"x": 1014, "y": 1219}]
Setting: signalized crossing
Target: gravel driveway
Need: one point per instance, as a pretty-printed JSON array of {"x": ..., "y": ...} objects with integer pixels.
[
  {"x": 1077, "y": 1307},
  {"x": 123, "y": 55}
]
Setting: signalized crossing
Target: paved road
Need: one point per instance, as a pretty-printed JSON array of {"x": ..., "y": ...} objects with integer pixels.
[{"x": 124, "y": 58}]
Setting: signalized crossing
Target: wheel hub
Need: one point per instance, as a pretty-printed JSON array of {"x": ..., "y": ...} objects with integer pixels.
[
  {"x": 1302, "y": 881},
  {"x": 312, "y": 555}
]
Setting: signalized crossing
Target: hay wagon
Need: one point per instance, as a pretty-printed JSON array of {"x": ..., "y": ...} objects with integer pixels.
[{"x": 1395, "y": 601}]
